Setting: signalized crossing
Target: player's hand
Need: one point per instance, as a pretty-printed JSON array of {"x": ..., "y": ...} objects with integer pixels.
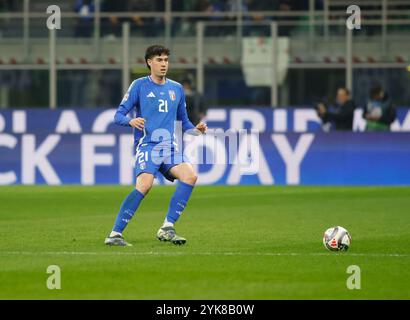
[
  {"x": 202, "y": 127},
  {"x": 137, "y": 123}
]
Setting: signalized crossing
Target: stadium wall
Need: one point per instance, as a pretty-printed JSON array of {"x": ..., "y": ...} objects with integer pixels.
[{"x": 85, "y": 147}]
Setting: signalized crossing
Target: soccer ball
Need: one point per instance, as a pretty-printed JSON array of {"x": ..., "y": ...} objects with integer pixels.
[{"x": 337, "y": 239}]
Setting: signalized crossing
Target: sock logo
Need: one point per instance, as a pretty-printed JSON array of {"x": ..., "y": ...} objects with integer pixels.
[
  {"x": 129, "y": 212},
  {"x": 182, "y": 205}
]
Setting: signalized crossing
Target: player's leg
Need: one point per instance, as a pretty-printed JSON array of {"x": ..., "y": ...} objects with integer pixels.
[
  {"x": 132, "y": 201},
  {"x": 187, "y": 177},
  {"x": 145, "y": 170},
  {"x": 129, "y": 207}
]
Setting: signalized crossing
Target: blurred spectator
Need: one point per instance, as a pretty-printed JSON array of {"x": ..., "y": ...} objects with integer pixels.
[
  {"x": 201, "y": 5},
  {"x": 286, "y": 6},
  {"x": 84, "y": 26},
  {"x": 112, "y": 27},
  {"x": 186, "y": 24},
  {"x": 232, "y": 6},
  {"x": 215, "y": 7},
  {"x": 194, "y": 101},
  {"x": 256, "y": 5},
  {"x": 149, "y": 26},
  {"x": 379, "y": 111},
  {"x": 259, "y": 6},
  {"x": 342, "y": 115}
]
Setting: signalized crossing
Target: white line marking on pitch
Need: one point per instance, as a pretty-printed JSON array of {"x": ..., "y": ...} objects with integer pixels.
[{"x": 150, "y": 253}]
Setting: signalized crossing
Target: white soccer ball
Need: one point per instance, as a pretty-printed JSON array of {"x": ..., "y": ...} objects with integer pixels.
[{"x": 337, "y": 239}]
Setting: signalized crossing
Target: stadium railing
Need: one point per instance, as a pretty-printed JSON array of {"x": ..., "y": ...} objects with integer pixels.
[{"x": 317, "y": 39}]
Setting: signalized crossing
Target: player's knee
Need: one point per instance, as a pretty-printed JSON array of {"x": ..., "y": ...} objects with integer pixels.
[
  {"x": 144, "y": 184},
  {"x": 143, "y": 187},
  {"x": 191, "y": 178},
  {"x": 194, "y": 177}
]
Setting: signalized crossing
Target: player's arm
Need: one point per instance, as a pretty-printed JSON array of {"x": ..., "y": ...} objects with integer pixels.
[
  {"x": 128, "y": 102},
  {"x": 182, "y": 116}
]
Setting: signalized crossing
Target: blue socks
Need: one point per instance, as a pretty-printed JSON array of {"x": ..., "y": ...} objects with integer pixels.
[
  {"x": 127, "y": 210},
  {"x": 132, "y": 201},
  {"x": 179, "y": 201}
]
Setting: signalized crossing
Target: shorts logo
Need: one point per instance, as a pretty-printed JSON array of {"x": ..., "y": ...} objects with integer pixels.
[
  {"x": 172, "y": 94},
  {"x": 142, "y": 166}
]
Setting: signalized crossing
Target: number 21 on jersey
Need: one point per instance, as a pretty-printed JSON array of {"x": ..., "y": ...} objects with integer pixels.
[{"x": 163, "y": 105}]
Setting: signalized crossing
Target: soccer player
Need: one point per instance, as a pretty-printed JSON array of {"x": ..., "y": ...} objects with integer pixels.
[{"x": 157, "y": 102}]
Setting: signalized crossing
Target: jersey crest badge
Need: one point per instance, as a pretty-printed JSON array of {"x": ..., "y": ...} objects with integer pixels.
[{"x": 172, "y": 94}]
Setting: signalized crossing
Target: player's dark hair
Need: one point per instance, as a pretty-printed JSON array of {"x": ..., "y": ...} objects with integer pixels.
[{"x": 155, "y": 50}]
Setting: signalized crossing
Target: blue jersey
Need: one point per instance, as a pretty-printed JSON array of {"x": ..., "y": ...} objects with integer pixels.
[{"x": 159, "y": 104}]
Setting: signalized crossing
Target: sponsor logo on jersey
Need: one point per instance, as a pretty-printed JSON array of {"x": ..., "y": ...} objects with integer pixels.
[
  {"x": 151, "y": 95},
  {"x": 172, "y": 95}
]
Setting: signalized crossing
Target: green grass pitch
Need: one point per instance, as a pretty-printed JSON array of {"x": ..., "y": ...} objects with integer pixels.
[{"x": 247, "y": 242}]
